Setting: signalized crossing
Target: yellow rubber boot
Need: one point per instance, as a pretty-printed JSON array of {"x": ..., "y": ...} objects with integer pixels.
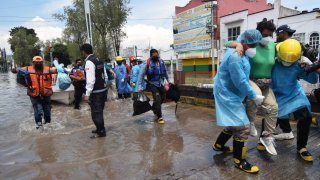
[
  {"x": 222, "y": 139},
  {"x": 239, "y": 157}
]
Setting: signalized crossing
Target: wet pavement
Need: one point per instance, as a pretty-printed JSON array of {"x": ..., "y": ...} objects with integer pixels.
[{"x": 135, "y": 147}]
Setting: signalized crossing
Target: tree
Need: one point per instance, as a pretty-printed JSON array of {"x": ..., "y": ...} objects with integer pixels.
[
  {"x": 60, "y": 51},
  {"x": 117, "y": 13},
  {"x": 75, "y": 30},
  {"x": 108, "y": 18},
  {"x": 16, "y": 29},
  {"x": 25, "y": 46}
]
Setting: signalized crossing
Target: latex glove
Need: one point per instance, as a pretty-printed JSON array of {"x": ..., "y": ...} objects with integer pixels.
[
  {"x": 133, "y": 84},
  {"x": 258, "y": 100},
  {"x": 122, "y": 80}
]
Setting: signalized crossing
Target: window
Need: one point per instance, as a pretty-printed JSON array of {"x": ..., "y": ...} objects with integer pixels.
[
  {"x": 314, "y": 40},
  {"x": 233, "y": 33},
  {"x": 300, "y": 37}
]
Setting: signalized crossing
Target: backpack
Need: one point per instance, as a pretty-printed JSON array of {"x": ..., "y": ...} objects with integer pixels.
[
  {"x": 23, "y": 78},
  {"x": 173, "y": 93}
]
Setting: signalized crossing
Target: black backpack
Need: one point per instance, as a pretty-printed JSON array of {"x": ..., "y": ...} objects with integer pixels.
[
  {"x": 173, "y": 93},
  {"x": 23, "y": 78}
]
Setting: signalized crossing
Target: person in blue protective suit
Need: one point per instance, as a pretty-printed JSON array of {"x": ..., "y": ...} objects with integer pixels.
[
  {"x": 134, "y": 76},
  {"x": 289, "y": 92},
  {"x": 121, "y": 77},
  {"x": 231, "y": 86},
  {"x": 156, "y": 72},
  {"x": 143, "y": 83}
]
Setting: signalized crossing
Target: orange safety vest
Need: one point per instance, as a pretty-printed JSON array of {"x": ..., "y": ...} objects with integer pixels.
[{"x": 41, "y": 84}]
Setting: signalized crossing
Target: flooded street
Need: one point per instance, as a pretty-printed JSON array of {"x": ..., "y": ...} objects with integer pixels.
[{"x": 134, "y": 148}]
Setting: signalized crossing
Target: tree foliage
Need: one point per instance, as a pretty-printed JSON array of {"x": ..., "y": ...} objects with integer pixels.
[
  {"x": 26, "y": 45},
  {"x": 60, "y": 51},
  {"x": 108, "y": 18},
  {"x": 16, "y": 29},
  {"x": 75, "y": 30}
]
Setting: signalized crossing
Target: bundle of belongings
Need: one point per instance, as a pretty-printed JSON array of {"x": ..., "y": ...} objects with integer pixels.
[
  {"x": 63, "y": 80},
  {"x": 141, "y": 104}
]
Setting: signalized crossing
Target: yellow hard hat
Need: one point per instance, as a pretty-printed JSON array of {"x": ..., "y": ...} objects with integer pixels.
[
  {"x": 289, "y": 50},
  {"x": 119, "y": 58}
]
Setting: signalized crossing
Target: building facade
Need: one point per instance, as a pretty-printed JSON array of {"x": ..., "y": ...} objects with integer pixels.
[
  {"x": 192, "y": 43},
  {"x": 306, "y": 23}
]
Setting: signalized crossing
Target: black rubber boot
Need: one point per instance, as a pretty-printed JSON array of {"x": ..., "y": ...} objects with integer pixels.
[
  {"x": 221, "y": 141},
  {"x": 239, "y": 157}
]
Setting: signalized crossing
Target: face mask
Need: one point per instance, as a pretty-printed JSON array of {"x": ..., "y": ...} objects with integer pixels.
[
  {"x": 251, "y": 52},
  {"x": 287, "y": 64},
  {"x": 38, "y": 66},
  {"x": 265, "y": 41},
  {"x": 155, "y": 58}
]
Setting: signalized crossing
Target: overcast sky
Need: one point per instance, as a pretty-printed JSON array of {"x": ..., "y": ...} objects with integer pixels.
[{"x": 150, "y": 20}]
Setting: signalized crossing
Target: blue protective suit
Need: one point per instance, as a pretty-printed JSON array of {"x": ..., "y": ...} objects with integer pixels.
[
  {"x": 143, "y": 82},
  {"x": 289, "y": 93},
  {"x": 134, "y": 77},
  {"x": 121, "y": 80},
  {"x": 231, "y": 86}
]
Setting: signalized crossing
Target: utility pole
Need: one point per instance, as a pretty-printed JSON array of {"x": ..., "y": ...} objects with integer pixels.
[
  {"x": 136, "y": 51},
  {"x": 51, "y": 51},
  {"x": 210, "y": 29},
  {"x": 88, "y": 20}
]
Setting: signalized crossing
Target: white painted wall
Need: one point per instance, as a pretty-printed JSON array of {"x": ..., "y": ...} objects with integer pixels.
[
  {"x": 303, "y": 23},
  {"x": 253, "y": 19},
  {"x": 230, "y": 21}
]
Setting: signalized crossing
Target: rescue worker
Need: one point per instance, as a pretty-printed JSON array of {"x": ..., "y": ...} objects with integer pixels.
[
  {"x": 111, "y": 82},
  {"x": 260, "y": 80},
  {"x": 40, "y": 91},
  {"x": 79, "y": 82},
  {"x": 135, "y": 72},
  {"x": 95, "y": 89},
  {"x": 128, "y": 68},
  {"x": 143, "y": 83},
  {"x": 289, "y": 92},
  {"x": 284, "y": 32},
  {"x": 121, "y": 77},
  {"x": 156, "y": 72},
  {"x": 231, "y": 86}
]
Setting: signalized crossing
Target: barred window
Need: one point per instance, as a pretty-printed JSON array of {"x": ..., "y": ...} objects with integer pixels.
[
  {"x": 233, "y": 33},
  {"x": 314, "y": 40}
]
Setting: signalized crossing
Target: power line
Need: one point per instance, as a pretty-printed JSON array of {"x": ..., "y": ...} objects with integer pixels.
[
  {"x": 147, "y": 19},
  {"x": 26, "y": 17},
  {"x": 138, "y": 19},
  {"x": 16, "y": 7}
]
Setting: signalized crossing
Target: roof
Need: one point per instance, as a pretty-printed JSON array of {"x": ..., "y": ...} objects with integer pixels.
[{"x": 302, "y": 13}]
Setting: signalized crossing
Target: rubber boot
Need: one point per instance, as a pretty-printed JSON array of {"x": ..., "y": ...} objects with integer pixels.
[
  {"x": 239, "y": 157},
  {"x": 221, "y": 141}
]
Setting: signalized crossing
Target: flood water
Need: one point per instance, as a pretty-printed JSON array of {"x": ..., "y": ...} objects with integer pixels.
[{"x": 134, "y": 148}]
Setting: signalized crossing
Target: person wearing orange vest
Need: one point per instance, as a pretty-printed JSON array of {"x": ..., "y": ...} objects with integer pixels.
[{"x": 40, "y": 91}]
